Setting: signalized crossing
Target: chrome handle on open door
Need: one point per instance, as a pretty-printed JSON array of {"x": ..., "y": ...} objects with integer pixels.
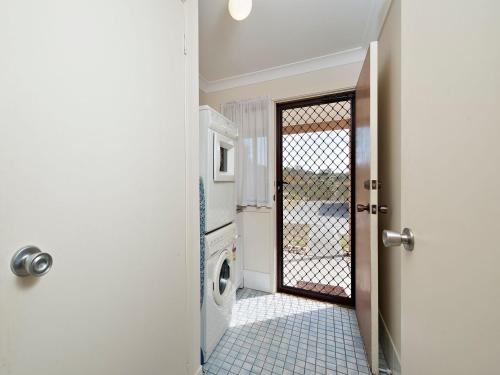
[
  {"x": 30, "y": 261},
  {"x": 391, "y": 238}
]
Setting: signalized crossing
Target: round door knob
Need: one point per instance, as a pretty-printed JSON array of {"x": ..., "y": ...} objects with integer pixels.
[
  {"x": 30, "y": 261},
  {"x": 406, "y": 238}
]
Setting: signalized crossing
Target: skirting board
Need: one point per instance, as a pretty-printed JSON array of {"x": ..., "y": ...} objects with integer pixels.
[
  {"x": 388, "y": 347},
  {"x": 258, "y": 281}
]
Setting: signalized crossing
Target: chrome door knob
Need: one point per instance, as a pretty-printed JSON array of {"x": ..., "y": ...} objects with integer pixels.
[
  {"x": 406, "y": 238},
  {"x": 30, "y": 261}
]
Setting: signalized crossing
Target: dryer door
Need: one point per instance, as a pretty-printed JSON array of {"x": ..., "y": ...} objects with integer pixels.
[
  {"x": 223, "y": 278},
  {"x": 224, "y": 158}
]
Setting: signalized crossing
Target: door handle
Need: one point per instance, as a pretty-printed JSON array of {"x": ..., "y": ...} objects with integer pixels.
[
  {"x": 362, "y": 207},
  {"x": 280, "y": 185},
  {"x": 406, "y": 238},
  {"x": 30, "y": 261}
]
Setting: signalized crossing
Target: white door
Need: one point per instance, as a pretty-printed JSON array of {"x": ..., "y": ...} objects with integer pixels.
[
  {"x": 450, "y": 188},
  {"x": 92, "y": 172},
  {"x": 366, "y": 221}
]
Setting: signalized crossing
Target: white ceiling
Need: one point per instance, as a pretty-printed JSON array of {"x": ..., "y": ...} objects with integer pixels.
[{"x": 282, "y": 32}]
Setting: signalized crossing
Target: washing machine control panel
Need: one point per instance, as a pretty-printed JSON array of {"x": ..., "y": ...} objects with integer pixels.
[{"x": 222, "y": 238}]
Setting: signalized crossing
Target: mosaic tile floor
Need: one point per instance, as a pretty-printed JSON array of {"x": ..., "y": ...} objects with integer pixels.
[{"x": 279, "y": 334}]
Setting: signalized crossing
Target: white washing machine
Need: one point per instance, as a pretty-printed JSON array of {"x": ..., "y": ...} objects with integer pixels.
[{"x": 220, "y": 288}]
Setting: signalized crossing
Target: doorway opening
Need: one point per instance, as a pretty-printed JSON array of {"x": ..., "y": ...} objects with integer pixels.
[{"x": 315, "y": 197}]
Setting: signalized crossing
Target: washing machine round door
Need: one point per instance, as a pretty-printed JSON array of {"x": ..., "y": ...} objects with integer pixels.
[{"x": 223, "y": 278}]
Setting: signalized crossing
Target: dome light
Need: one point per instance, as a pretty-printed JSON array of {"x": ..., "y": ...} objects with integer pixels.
[{"x": 239, "y": 9}]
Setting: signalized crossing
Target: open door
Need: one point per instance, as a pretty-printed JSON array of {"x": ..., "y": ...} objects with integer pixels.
[{"x": 366, "y": 221}]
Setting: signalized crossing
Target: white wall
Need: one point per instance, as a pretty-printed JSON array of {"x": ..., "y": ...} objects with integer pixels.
[
  {"x": 257, "y": 235},
  {"x": 259, "y": 228}
]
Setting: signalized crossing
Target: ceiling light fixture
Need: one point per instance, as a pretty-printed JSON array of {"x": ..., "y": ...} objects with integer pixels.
[{"x": 239, "y": 9}]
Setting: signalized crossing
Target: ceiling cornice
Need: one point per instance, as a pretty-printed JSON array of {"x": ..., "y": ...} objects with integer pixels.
[
  {"x": 204, "y": 84},
  {"x": 300, "y": 67},
  {"x": 378, "y": 14}
]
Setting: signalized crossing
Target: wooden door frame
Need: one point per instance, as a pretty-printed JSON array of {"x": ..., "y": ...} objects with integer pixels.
[{"x": 280, "y": 107}]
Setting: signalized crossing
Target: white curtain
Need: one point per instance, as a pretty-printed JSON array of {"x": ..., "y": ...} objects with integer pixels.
[{"x": 253, "y": 118}]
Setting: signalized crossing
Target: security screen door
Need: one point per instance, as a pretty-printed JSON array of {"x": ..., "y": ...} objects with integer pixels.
[{"x": 314, "y": 197}]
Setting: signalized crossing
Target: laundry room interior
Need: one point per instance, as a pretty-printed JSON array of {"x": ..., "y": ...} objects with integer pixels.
[
  {"x": 313, "y": 270},
  {"x": 277, "y": 99}
]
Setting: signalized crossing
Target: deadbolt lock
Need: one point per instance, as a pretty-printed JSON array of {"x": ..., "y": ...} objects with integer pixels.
[{"x": 372, "y": 184}]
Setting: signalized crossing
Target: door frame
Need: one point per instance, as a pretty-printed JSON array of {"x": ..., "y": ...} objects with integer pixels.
[
  {"x": 279, "y": 108},
  {"x": 191, "y": 134}
]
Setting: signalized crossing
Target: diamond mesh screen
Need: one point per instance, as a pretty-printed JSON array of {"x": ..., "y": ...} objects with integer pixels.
[{"x": 316, "y": 198}]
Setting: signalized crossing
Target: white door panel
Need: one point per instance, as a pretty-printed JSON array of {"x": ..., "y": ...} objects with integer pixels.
[
  {"x": 450, "y": 188},
  {"x": 91, "y": 113}
]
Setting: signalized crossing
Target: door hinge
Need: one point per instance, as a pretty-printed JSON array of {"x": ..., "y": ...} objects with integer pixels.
[
  {"x": 372, "y": 185},
  {"x": 185, "y": 45}
]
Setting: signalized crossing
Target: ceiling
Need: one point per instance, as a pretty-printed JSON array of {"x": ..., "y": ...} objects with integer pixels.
[{"x": 282, "y": 32}]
